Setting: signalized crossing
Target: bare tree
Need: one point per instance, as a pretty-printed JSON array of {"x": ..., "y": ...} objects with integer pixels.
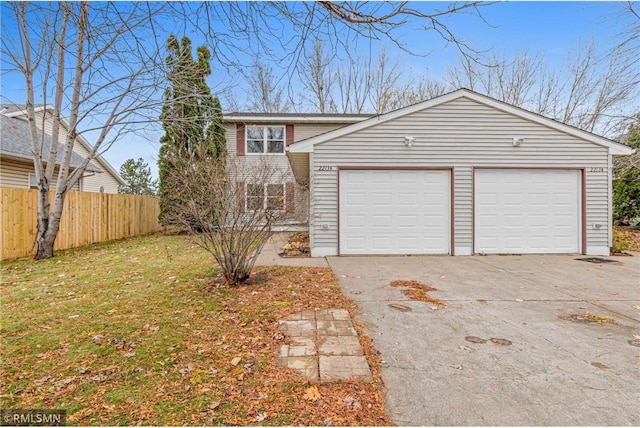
[
  {"x": 385, "y": 79},
  {"x": 317, "y": 78},
  {"x": 99, "y": 65},
  {"x": 231, "y": 209},
  {"x": 594, "y": 93},
  {"x": 626, "y": 53},
  {"x": 353, "y": 83},
  {"x": 510, "y": 81},
  {"x": 413, "y": 92},
  {"x": 93, "y": 64},
  {"x": 265, "y": 93}
]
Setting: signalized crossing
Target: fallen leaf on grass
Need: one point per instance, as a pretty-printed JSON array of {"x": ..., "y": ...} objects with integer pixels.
[
  {"x": 351, "y": 403},
  {"x": 236, "y": 361},
  {"x": 474, "y": 339},
  {"x": 261, "y": 417},
  {"x": 282, "y": 304},
  {"x": 42, "y": 381},
  {"x": 312, "y": 394}
]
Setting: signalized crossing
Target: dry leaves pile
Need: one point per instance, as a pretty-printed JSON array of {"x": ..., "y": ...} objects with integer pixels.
[
  {"x": 417, "y": 291},
  {"x": 297, "y": 245},
  {"x": 148, "y": 336}
]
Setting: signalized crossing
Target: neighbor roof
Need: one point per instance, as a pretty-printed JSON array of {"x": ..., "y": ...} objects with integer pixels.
[
  {"x": 306, "y": 146},
  {"x": 17, "y": 110},
  {"x": 13, "y": 110},
  {"x": 15, "y": 142}
]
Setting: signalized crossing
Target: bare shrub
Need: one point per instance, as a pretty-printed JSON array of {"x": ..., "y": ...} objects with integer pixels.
[{"x": 231, "y": 209}]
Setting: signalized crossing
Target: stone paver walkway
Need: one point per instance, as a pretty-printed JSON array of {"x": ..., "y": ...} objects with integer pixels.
[{"x": 324, "y": 346}]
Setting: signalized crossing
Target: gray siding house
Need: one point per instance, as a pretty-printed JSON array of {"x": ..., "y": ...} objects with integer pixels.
[
  {"x": 459, "y": 174},
  {"x": 16, "y": 160}
]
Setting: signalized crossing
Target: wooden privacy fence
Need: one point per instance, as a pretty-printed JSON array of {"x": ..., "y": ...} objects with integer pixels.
[{"x": 87, "y": 218}]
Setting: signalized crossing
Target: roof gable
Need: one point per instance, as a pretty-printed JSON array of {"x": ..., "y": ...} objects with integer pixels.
[
  {"x": 19, "y": 110},
  {"x": 16, "y": 143},
  {"x": 306, "y": 146}
]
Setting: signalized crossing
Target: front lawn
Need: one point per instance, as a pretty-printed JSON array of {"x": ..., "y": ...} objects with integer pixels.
[{"x": 140, "y": 332}]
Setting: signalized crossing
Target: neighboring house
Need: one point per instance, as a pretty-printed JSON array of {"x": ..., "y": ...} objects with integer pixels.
[
  {"x": 259, "y": 136},
  {"x": 16, "y": 169},
  {"x": 459, "y": 174}
]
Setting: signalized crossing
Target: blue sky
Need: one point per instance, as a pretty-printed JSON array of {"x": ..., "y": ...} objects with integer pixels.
[{"x": 551, "y": 29}]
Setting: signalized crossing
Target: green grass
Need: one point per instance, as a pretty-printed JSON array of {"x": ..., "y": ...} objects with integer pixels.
[
  {"x": 137, "y": 332},
  {"x": 66, "y": 317}
]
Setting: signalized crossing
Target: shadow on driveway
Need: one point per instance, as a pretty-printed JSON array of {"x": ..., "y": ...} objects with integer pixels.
[{"x": 555, "y": 372}]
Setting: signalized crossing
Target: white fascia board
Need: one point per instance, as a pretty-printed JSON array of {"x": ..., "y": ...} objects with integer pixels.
[
  {"x": 24, "y": 112},
  {"x": 614, "y": 148},
  {"x": 292, "y": 119}
]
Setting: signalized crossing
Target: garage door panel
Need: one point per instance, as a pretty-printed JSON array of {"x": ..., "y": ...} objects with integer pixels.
[
  {"x": 354, "y": 221},
  {"x": 402, "y": 212},
  {"x": 407, "y": 243},
  {"x": 527, "y": 211}
]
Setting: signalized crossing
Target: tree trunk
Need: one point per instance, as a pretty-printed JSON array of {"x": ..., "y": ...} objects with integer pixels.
[
  {"x": 45, "y": 247},
  {"x": 48, "y": 224}
]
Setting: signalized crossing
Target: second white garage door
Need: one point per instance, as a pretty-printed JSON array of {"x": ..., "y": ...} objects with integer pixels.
[
  {"x": 527, "y": 211},
  {"x": 395, "y": 211}
]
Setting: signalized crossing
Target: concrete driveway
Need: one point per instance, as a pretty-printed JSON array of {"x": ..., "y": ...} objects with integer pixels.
[{"x": 555, "y": 372}]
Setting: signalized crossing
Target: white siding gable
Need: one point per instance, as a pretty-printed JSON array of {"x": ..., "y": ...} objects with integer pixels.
[{"x": 462, "y": 133}]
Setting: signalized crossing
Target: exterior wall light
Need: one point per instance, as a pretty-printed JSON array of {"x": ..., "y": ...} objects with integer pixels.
[{"x": 517, "y": 141}]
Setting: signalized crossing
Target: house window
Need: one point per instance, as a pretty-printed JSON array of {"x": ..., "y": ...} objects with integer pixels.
[
  {"x": 33, "y": 183},
  {"x": 265, "y": 197},
  {"x": 255, "y": 197},
  {"x": 275, "y": 197},
  {"x": 265, "y": 139}
]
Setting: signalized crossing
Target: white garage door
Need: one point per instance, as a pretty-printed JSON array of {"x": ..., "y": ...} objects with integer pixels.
[
  {"x": 394, "y": 212},
  {"x": 527, "y": 211}
]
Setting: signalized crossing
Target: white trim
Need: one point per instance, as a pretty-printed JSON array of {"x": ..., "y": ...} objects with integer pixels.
[
  {"x": 251, "y": 119},
  {"x": 265, "y": 140},
  {"x": 463, "y": 251},
  {"x": 306, "y": 146},
  {"x": 610, "y": 200},
  {"x": 29, "y": 185},
  {"x": 323, "y": 251},
  {"x": 598, "y": 251},
  {"x": 24, "y": 112}
]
